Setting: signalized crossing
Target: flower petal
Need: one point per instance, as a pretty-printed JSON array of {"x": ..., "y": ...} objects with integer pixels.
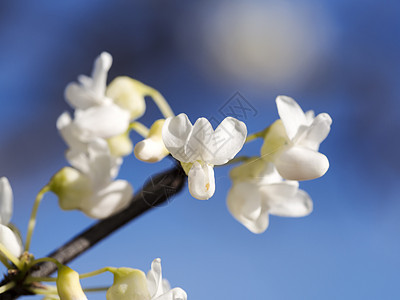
[
  {"x": 175, "y": 133},
  {"x": 108, "y": 201},
  {"x": 199, "y": 145},
  {"x": 245, "y": 204},
  {"x": 174, "y": 294},
  {"x": 154, "y": 279},
  {"x": 102, "y": 121},
  {"x": 291, "y": 115},
  {"x": 317, "y": 132},
  {"x": 201, "y": 181},
  {"x": 6, "y": 201},
  {"x": 150, "y": 150},
  {"x": 101, "y": 67},
  {"x": 227, "y": 140},
  {"x": 299, "y": 163},
  {"x": 70, "y": 133},
  {"x": 10, "y": 240},
  {"x": 297, "y": 205}
]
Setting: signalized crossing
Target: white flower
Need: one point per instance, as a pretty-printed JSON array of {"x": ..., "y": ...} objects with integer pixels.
[
  {"x": 254, "y": 197},
  {"x": 152, "y": 148},
  {"x": 8, "y": 237},
  {"x": 90, "y": 91},
  {"x": 198, "y": 147},
  {"x": 292, "y": 144},
  {"x": 68, "y": 285},
  {"x": 89, "y": 186},
  {"x": 96, "y": 115},
  {"x": 132, "y": 284}
]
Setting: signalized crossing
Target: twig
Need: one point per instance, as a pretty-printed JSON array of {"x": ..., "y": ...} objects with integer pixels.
[{"x": 156, "y": 191}]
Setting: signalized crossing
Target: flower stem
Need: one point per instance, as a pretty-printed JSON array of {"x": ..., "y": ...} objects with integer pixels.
[
  {"x": 160, "y": 101},
  {"x": 43, "y": 259},
  {"x": 5, "y": 262},
  {"x": 32, "y": 220},
  {"x": 6, "y": 287},
  {"x": 260, "y": 134},
  {"x": 139, "y": 128},
  {"x": 97, "y": 272},
  {"x": 10, "y": 256},
  {"x": 96, "y": 289}
]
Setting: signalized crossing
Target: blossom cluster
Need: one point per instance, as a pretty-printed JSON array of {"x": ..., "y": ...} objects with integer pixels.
[{"x": 97, "y": 135}]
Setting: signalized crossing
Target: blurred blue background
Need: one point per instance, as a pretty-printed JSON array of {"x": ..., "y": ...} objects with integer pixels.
[{"x": 340, "y": 57}]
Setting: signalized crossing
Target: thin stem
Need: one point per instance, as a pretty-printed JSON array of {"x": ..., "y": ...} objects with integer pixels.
[
  {"x": 47, "y": 290},
  {"x": 161, "y": 103},
  {"x": 96, "y": 289},
  {"x": 32, "y": 220},
  {"x": 97, "y": 272},
  {"x": 260, "y": 134},
  {"x": 5, "y": 262},
  {"x": 31, "y": 279},
  {"x": 139, "y": 128},
  {"x": 10, "y": 256},
  {"x": 45, "y": 259},
  {"x": 6, "y": 287}
]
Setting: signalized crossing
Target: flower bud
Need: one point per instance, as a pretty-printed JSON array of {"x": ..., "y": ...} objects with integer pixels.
[
  {"x": 71, "y": 186},
  {"x": 120, "y": 145},
  {"x": 68, "y": 285},
  {"x": 128, "y": 94},
  {"x": 152, "y": 149},
  {"x": 129, "y": 284}
]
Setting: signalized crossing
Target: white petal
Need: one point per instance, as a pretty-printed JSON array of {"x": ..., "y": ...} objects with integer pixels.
[
  {"x": 316, "y": 133},
  {"x": 269, "y": 175},
  {"x": 150, "y": 150},
  {"x": 227, "y": 140},
  {"x": 80, "y": 97},
  {"x": 291, "y": 115},
  {"x": 6, "y": 201},
  {"x": 154, "y": 279},
  {"x": 298, "y": 163},
  {"x": 10, "y": 240},
  {"x": 102, "y": 121},
  {"x": 175, "y": 133},
  {"x": 297, "y": 205},
  {"x": 245, "y": 204},
  {"x": 201, "y": 181},
  {"x": 199, "y": 145},
  {"x": 108, "y": 201},
  {"x": 174, "y": 294},
  {"x": 69, "y": 132},
  {"x": 99, "y": 74}
]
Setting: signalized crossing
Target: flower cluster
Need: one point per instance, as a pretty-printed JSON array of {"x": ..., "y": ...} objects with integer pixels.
[
  {"x": 269, "y": 184},
  {"x": 98, "y": 138}
]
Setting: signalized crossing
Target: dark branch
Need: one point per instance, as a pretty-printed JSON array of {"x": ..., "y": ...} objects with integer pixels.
[{"x": 156, "y": 191}]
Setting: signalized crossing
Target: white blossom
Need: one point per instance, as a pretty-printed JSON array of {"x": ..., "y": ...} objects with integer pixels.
[
  {"x": 133, "y": 284},
  {"x": 198, "y": 147},
  {"x": 90, "y": 185},
  {"x": 96, "y": 115},
  {"x": 292, "y": 143},
  {"x": 260, "y": 191},
  {"x": 10, "y": 239}
]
